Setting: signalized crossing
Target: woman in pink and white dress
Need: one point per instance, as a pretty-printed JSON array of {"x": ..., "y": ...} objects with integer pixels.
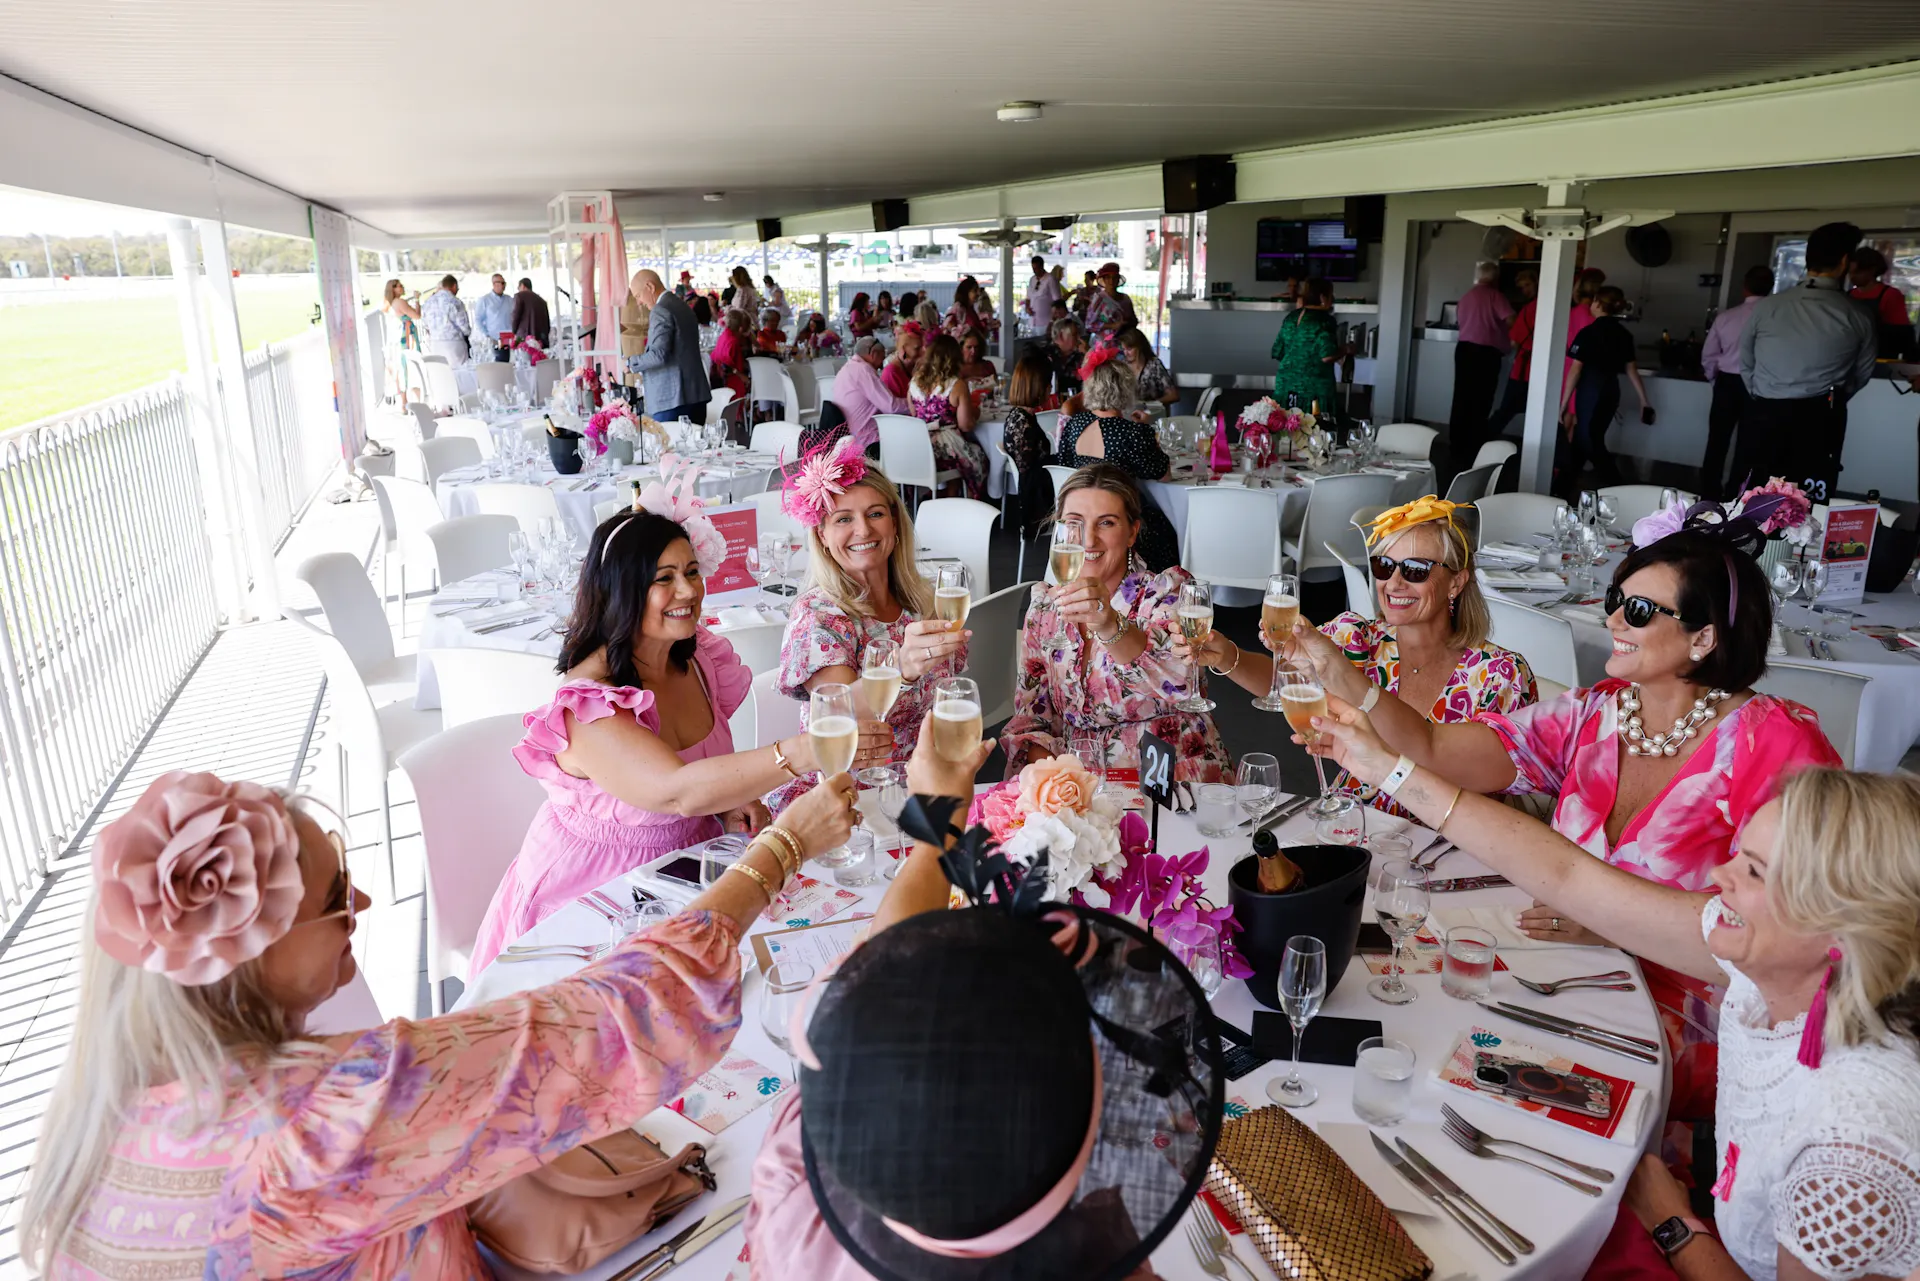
[{"x": 634, "y": 750}]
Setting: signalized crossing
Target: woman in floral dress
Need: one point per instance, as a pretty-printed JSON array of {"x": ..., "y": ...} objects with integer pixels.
[
  {"x": 1095, "y": 654},
  {"x": 940, "y": 399}
]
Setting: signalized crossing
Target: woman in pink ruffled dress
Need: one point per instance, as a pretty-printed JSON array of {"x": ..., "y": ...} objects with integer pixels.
[{"x": 634, "y": 750}]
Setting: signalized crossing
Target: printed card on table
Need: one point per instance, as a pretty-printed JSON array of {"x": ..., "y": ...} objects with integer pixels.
[
  {"x": 1458, "y": 1071},
  {"x": 816, "y": 946},
  {"x": 808, "y": 902},
  {"x": 1847, "y": 543},
  {"x": 1423, "y": 957},
  {"x": 728, "y": 1091},
  {"x": 738, "y": 525}
]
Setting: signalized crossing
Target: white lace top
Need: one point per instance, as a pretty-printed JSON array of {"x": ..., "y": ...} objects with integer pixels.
[{"x": 1829, "y": 1158}]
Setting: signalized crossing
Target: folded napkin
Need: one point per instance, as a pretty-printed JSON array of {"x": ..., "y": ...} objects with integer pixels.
[
  {"x": 501, "y": 614},
  {"x": 1502, "y": 922},
  {"x": 1535, "y": 578},
  {"x": 1581, "y": 614},
  {"x": 468, "y": 591},
  {"x": 1233, "y": 480},
  {"x": 742, "y": 616}
]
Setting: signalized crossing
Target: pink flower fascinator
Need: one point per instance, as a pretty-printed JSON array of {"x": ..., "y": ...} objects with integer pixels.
[
  {"x": 824, "y": 473},
  {"x": 198, "y": 878},
  {"x": 673, "y": 496},
  {"x": 1100, "y": 355}
]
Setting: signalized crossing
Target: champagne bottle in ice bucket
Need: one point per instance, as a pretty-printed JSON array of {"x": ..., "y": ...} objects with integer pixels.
[{"x": 1278, "y": 873}]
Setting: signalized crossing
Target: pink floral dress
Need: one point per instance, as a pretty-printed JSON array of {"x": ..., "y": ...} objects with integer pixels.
[
  {"x": 953, "y": 449},
  {"x": 1487, "y": 679},
  {"x": 356, "y": 1156},
  {"x": 1571, "y": 746},
  {"x": 820, "y": 634},
  {"x": 582, "y": 836},
  {"x": 1069, "y": 686}
]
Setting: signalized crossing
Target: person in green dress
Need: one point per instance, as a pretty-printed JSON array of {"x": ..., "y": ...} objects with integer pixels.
[{"x": 1307, "y": 350}]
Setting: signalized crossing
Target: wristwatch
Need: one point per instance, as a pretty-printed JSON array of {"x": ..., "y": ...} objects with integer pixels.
[{"x": 1676, "y": 1232}]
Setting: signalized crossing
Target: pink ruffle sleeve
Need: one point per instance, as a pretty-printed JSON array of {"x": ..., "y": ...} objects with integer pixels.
[{"x": 588, "y": 701}]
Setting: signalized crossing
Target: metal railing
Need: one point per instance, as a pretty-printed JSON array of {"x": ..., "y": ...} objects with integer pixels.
[{"x": 290, "y": 388}]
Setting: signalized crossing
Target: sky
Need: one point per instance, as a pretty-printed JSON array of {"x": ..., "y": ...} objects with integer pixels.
[{"x": 25, "y": 213}]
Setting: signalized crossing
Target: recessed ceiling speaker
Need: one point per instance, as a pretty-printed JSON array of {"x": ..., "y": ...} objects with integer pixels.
[
  {"x": 1366, "y": 219},
  {"x": 1196, "y": 184},
  {"x": 1018, "y": 113},
  {"x": 889, "y": 215},
  {"x": 1650, "y": 246},
  {"x": 767, "y": 229}
]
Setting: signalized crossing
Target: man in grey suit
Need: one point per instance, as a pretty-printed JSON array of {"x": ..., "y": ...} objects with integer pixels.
[{"x": 673, "y": 372}]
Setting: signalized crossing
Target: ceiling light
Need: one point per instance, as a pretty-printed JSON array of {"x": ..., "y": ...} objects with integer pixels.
[
  {"x": 1018, "y": 113},
  {"x": 714, "y": 197}
]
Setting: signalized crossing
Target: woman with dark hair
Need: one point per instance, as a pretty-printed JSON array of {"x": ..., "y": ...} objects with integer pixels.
[
  {"x": 1152, "y": 383},
  {"x": 1307, "y": 348},
  {"x": 1028, "y": 449},
  {"x": 731, "y": 349},
  {"x": 1595, "y": 360},
  {"x": 860, "y": 315},
  {"x": 883, "y": 310},
  {"x": 702, "y": 310},
  {"x": 816, "y": 337},
  {"x": 1656, "y": 768},
  {"x": 961, "y": 316},
  {"x": 634, "y": 750}
]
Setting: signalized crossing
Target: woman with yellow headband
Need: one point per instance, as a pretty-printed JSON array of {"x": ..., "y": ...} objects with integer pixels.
[{"x": 1429, "y": 646}]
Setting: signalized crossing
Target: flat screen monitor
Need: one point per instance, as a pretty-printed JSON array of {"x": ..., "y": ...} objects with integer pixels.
[{"x": 1299, "y": 247}]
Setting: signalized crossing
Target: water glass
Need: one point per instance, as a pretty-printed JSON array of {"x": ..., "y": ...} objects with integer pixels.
[
  {"x": 718, "y": 855},
  {"x": 640, "y": 914},
  {"x": 1202, "y": 959},
  {"x": 861, "y": 867},
  {"x": 1257, "y": 783},
  {"x": 1391, "y": 847},
  {"x": 1091, "y": 751},
  {"x": 786, "y": 994},
  {"x": 1302, "y": 986},
  {"x": 1383, "y": 1081},
  {"x": 1216, "y": 805},
  {"x": 1466, "y": 968}
]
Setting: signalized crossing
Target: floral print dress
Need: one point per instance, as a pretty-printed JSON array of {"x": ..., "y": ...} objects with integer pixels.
[
  {"x": 1068, "y": 686},
  {"x": 953, "y": 449},
  {"x": 358, "y": 1155},
  {"x": 1571, "y": 747}
]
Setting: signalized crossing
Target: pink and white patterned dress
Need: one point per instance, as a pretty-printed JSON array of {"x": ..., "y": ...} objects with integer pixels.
[
  {"x": 1069, "y": 686},
  {"x": 582, "y": 836},
  {"x": 357, "y": 1156}
]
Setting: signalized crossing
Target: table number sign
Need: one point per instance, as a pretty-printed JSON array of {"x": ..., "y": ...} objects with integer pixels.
[{"x": 1846, "y": 544}]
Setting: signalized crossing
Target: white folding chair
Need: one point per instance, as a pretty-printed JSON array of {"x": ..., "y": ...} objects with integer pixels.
[
  {"x": 906, "y": 454},
  {"x": 1349, "y": 547},
  {"x": 1406, "y": 440},
  {"x": 476, "y": 805},
  {"x": 1545, "y": 640},
  {"x": 1495, "y": 451},
  {"x": 357, "y": 621},
  {"x": 717, "y": 406},
  {"x": 1232, "y": 538},
  {"x": 1331, "y": 503},
  {"x": 766, "y": 382},
  {"x": 1205, "y": 406},
  {"x": 1634, "y": 502},
  {"x": 825, "y": 370},
  {"x": 611, "y": 507},
  {"x": 767, "y": 715},
  {"x": 961, "y": 528},
  {"x": 1049, "y": 422},
  {"x": 993, "y": 656},
  {"x": 770, "y": 517},
  {"x": 443, "y": 454},
  {"x": 413, "y": 511},
  {"x": 804, "y": 390},
  {"x": 443, "y": 389},
  {"x": 528, "y": 504},
  {"x": 758, "y": 647},
  {"x": 1058, "y": 475},
  {"x": 777, "y": 438},
  {"x": 546, "y": 375},
  {"x": 472, "y": 427},
  {"x": 478, "y": 683},
  {"x": 469, "y": 545},
  {"x": 1512, "y": 518},
  {"x": 1473, "y": 484},
  {"x": 1833, "y": 693},
  {"x": 494, "y": 376},
  {"x": 423, "y": 418}
]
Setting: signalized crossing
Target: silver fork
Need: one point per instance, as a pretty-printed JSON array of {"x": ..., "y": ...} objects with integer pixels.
[
  {"x": 1216, "y": 1238},
  {"x": 1429, "y": 859},
  {"x": 554, "y": 952},
  {"x": 1612, "y": 981},
  {"x": 1480, "y": 1143}
]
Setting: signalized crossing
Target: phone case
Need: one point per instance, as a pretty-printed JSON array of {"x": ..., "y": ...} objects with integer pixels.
[{"x": 1520, "y": 1079}]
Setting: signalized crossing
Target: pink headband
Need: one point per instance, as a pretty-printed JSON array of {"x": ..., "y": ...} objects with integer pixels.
[{"x": 673, "y": 496}]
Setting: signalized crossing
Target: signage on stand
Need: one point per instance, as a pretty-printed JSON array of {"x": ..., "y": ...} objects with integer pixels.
[
  {"x": 1846, "y": 543},
  {"x": 739, "y": 525}
]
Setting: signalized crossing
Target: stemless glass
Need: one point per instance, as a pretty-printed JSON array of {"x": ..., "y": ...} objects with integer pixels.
[
  {"x": 952, "y": 598},
  {"x": 1303, "y": 986},
  {"x": 1400, "y": 903},
  {"x": 880, "y": 677},
  {"x": 1339, "y": 819},
  {"x": 787, "y": 984},
  {"x": 1196, "y": 624},
  {"x": 956, "y": 718},
  {"x": 834, "y": 727},
  {"x": 1201, "y": 956},
  {"x": 1257, "y": 783}
]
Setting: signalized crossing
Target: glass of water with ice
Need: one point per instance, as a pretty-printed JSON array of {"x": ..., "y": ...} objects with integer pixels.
[
  {"x": 1382, "y": 1081},
  {"x": 1466, "y": 972}
]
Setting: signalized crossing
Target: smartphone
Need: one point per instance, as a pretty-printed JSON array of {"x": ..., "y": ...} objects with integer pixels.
[
  {"x": 1520, "y": 1079},
  {"x": 684, "y": 870}
]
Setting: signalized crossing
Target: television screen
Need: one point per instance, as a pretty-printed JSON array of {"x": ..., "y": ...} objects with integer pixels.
[{"x": 1298, "y": 247}]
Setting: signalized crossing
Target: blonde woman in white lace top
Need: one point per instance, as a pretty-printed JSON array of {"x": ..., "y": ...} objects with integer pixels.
[{"x": 1815, "y": 932}]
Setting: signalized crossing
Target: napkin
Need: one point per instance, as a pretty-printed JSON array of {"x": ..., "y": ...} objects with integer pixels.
[
  {"x": 742, "y": 616},
  {"x": 1538, "y": 578},
  {"x": 1581, "y": 614},
  {"x": 1502, "y": 922},
  {"x": 1232, "y": 480}
]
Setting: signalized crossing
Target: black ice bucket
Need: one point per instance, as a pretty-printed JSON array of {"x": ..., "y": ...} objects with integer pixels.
[{"x": 1327, "y": 909}]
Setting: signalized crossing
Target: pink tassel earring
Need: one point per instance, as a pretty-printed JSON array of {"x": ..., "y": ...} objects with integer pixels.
[{"x": 1813, "y": 1036}]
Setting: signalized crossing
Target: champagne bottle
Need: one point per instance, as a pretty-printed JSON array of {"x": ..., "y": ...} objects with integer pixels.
[{"x": 1278, "y": 873}]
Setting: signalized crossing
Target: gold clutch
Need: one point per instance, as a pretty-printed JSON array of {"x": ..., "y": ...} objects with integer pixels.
[{"x": 1307, "y": 1213}]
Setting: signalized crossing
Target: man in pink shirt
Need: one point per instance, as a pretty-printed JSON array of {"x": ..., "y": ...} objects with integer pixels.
[
  {"x": 858, "y": 391},
  {"x": 1483, "y": 316},
  {"x": 1720, "y": 363}
]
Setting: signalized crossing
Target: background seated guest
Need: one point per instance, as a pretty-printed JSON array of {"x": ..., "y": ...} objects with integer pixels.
[
  {"x": 198, "y": 1129},
  {"x": 1096, "y": 655},
  {"x": 634, "y": 750},
  {"x": 1429, "y": 646},
  {"x": 940, "y": 399},
  {"x": 769, "y": 338},
  {"x": 816, "y": 337},
  {"x": 1067, "y": 350},
  {"x": 860, "y": 315},
  {"x": 908, "y": 337},
  {"x": 864, "y": 588},
  {"x": 1108, "y": 430},
  {"x": 730, "y": 351},
  {"x": 1152, "y": 383},
  {"x": 858, "y": 394},
  {"x": 928, "y": 314},
  {"x": 1028, "y": 449},
  {"x": 1893, "y": 324},
  {"x": 909, "y": 305},
  {"x": 973, "y": 357},
  {"x": 777, "y": 299},
  {"x": 1811, "y": 934},
  {"x": 883, "y": 312}
]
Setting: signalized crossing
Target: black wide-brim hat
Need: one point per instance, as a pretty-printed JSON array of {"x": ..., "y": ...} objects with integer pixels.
[{"x": 958, "y": 1055}]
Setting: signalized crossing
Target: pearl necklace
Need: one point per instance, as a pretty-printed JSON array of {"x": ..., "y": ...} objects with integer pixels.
[{"x": 1640, "y": 743}]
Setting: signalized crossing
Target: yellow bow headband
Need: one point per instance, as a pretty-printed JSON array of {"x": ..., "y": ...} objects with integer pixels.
[{"x": 1418, "y": 512}]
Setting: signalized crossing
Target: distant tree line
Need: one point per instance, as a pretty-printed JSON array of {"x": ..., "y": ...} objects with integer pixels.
[{"x": 253, "y": 253}]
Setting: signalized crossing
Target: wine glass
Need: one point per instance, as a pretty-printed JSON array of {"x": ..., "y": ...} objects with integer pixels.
[
  {"x": 1069, "y": 550},
  {"x": 1257, "y": 783},
  {"x": 833, "y": 725},
  {"x": 1303, "y": 985},
  {"x": 1605, "y": 511},
  {"x": 1786, "y": 580},
  {"x": 1815, "y": 574},
  {"x": 952, "y": 598},
  {"x": 1589, "y": 506},
  {"x": 520, "y": 554},
  {"x": 880, "y": 676},
  {"x": 1564, "y": 521},
  {"x": 1303, "y": 697},
  {"x": 786, "y": 995},
  {"x": 1400, "y": 902},
  {"x": 889, "y": 786},
  {"x": 1195, "y": 612}
]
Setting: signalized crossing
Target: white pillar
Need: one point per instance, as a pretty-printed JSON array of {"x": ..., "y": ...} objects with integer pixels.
[
  {"x": 203, "y": 411},
  {"x": 1009, "y": 318},
  {"x": 1398, "y": 260},
  {"x": 1547, "y": 374},
  {"x": 666, "y": 259},
  {"x": 826, "y": 309},
  {"x": 263, "y": 592}
]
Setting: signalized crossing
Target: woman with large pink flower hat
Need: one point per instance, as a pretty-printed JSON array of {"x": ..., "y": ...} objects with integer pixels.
[{"x": 196, "y": 1130}]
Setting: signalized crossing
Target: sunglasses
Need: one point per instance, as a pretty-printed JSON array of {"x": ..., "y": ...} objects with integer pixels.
[
  {"x": 340, "y": 901},
  {"x": 1638, "y": 610},
  {"x": 1414, "y": 569}
]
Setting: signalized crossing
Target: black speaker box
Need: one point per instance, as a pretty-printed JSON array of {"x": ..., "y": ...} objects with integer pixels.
[
  {"x": 767, "y": 229},
  {"x": 1196, "y": 183},
  {"x": 1366, "y": 219},
  {"x": 889, "y": 215}
]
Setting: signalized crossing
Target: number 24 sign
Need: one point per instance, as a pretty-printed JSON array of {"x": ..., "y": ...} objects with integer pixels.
[{"x": 1156, "y": 770}]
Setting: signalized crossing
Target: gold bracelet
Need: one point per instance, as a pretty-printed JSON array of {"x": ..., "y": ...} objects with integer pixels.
[
  {"x": 780, "y": 759},
  {"x": 794, "y": 854},
  {"x": 1458, "y": 792},
  {"x": 742, "y": 868},
  {"x": 1238, "y": 654}
]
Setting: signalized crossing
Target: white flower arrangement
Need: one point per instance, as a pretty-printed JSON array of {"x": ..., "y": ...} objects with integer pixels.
[{"x": 1077, "y": 846}]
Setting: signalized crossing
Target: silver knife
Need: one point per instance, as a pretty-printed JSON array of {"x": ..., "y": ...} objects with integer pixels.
[
  {"x": 660, "y": 1252},
  {"x": 713, "y": 1226},
  {"x": 1467, "y": 883},
  {"x": 1640, "y": 1041},
  {"x": 1617, "y": 1047},
  {"x": 1451, "y": 1188},
  {"x": 1281, "y": 811},
  {"x": 1425, "y": 1188}
]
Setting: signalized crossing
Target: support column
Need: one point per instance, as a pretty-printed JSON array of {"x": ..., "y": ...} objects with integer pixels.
[
  {"x": 666, "y": 259},
  {"x": 203, "y": 411},
  {"x": 825, "y": 308},
  {"x": 1547, "y": 374},
  {"x": 1009, "y": 318},
  {"x": 263, "y": 590},
  {"x": 1399, "y": 258}
]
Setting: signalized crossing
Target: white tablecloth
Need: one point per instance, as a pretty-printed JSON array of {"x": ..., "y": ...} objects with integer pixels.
[
  {"x": 722, "y": 482},
  {"x": 1567, "y": 1227}
]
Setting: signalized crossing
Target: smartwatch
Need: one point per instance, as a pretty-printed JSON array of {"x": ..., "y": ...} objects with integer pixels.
[{"x": 1676, "y": 1232}]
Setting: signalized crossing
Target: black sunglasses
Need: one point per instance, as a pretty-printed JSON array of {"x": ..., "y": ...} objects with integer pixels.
[
  {"x": 1638, "y": 610},
  {"x": 1414, "y": 569}
]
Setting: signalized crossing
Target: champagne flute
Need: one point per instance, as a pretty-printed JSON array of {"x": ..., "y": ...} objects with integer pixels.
[
  {"x": 956, "y": 718},
  {"x": 1302, "y": 698},
  {"x": 1195, "y": 612},
  {"x": 1400, "y": 903},
  {"x": 1279, "y": 611},
  {"x": 1303, "y": 986},
  {"x": 1069, "y": 550},
  {"x": 834, "y": 727},
  {"x": 880, "y": 677},
  {"x": 787, "y": 985},
  {"x": 1257, "y": 783},
  {"x": 952, "y": 598}
]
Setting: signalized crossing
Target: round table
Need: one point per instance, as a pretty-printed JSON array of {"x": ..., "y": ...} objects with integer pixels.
[
  {"x": 1566, "y": 1226},
  {"x": 723, "y": 479}
]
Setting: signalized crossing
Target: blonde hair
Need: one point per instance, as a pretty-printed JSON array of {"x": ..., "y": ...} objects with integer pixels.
[
  {"x": 939, "y": 364},
  {"x": 903, "y": 578},
  {"x": 1472, "y": 622},
  {"x": 1844, "y": 866},
  {"x": 1112, "y": 386},
  {"x": 928, "y": 314},
  {"x": 134, "y": 1030},
  {"x": 394, "y": 289}
]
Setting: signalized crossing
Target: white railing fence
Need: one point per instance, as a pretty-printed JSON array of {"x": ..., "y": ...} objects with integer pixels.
[{"x": 295, "y": 428}]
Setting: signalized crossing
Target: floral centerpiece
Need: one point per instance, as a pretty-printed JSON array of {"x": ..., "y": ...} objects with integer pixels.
[
  {"x": 526, "y": 349},
  {"x": 1098, "y": 854},
  {"x": 1261, "y": 420}
]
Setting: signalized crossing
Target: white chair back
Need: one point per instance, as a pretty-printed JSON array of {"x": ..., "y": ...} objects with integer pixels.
[
  {"x": 469, "y": 545},
  {"x": 1330, "y": 507},
  {"x": 766, "y": 716},
  {"x": 1544, "y": 640},
  {"x": 1495, "y": 451},
  {"x": 470, "y": 426},
  {"x": 528, "y": 504},
  {"x": 611, "y": 507},
  {"x": 443, "y": 389},
  {"x": 777, "y": 438},
  {"x": 993, "y": 659},
  {"x": 423, "y": 418},
  {"x": 478, "y": 683},
  {"x": 1473, "y": 484},
  {"x": 1049, "y": 422},
  {"x": 354, "y": 615},
  {"x": 1634, "y": 502},
  {"x": 758, "y": 647},
  {"x": 770, "y": 517},
  {"x": 906, "y": 452},
  {"x": 1512, "y": 518},
  {"x": 494, "y": 376},
  {"x": 1406, "y": 440},
  {"x": 1204, "y": 408},
  {"x": 1232, "y": 538},
  {"x": 546, "y": 375},
  {"x": 475, "y": 805},
  {"x": 999, "y": 366},
  {"x": 805, "y": 388},
  {"x": 1832, "y": 692},
  {"x": 1349, "y": 547},
  {"x": 717, "y": 406},
  {"x": 1059, "y": 475},
  {"x": 961, "y": 528},
  {"x": 768, "y": 382},
  {"x": 447, "y": 453}
]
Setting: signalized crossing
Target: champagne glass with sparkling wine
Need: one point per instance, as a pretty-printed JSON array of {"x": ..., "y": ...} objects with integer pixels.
[
  {"x": 1196, "y": 625},
  {"x": 834, "y": 726},
  {"x": 956, "y": 718},
  {"x": 952, "y": 598},
  {"x": 1279, "y": 611},
  {"x": 880, "y": 677},
  {"x": 1302, "y": 698},
  {"x": 1069, "y": 550}
]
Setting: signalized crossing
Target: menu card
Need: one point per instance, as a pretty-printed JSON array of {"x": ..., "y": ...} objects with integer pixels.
[
  {"x": 1846, "y": 543},
  {"x": 728, "y": 1091}
]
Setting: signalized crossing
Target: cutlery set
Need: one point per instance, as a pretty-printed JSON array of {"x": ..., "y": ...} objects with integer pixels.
[{"x": 688, "y": 1242}]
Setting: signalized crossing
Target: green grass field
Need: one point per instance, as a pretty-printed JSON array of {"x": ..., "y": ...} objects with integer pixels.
[{"x": 63, "y": 355}]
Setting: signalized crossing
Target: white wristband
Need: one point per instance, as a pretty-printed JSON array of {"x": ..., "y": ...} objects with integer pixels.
[
  {"x": 1373, "y": 696},
  {"x": 1401, "y": 773}
]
